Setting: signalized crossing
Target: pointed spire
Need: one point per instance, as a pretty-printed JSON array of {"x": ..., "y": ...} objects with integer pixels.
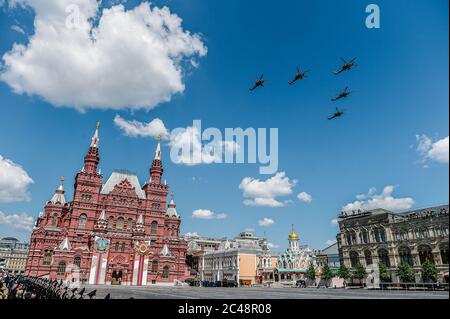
[
  {"x": 158, "y": 149},
  {"x": 95, "y": 138},
  {"x": 171, "y": 210},
  {"x": 59, "y": 197},
  {"x": 165, "y": 250}
]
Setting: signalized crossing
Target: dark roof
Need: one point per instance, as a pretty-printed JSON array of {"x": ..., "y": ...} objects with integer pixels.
[{"x": 10, "y": 238}]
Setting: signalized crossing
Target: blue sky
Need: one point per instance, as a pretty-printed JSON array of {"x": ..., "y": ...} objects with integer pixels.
[{"x": 399, "y": 90}]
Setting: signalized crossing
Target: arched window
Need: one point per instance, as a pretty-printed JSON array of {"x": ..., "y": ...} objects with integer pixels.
[
  {"x": 82, "y": 221},
  {"x": 122, "y": 248},
  {"x": 368, "y": 257},
  {"x": 77, "y": 261},
  {"x": 120, "y": 223},
  {"x": 61, "y": 268},
  {"x": 154, "y": 227},
  {"x": 54, "y": 220},
  {"x": 165, "y": 273},
  {"x": 383, "y": 256},
  {"x": 365, "y": 237},
  {"x": 110, "y": 222},
  {"x": 154, "y": 266},
  {"x": 354, "y": 259},
  {"x": 47, "y": 258},
  {"x": 130, "y": 224},
  {"x": 116, "y": 246},
  {"x": 380, "y": 235},
  {"x": 425, "y": 254},
  {"x": 405, "y": 255},
  {"x": 444, "y": 253}
]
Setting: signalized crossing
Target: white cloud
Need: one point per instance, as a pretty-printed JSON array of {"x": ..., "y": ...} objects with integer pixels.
[
  {"x": 305, "y": 197},
  {"x": 334, "y": 222},
  {"x": 14, "y": 182},
  {"x": 273, "y": 246},
  {"x": 187, "y": 148},
  {"x": 266, "y": 222},
  {"x": 207, "y": 214},
  {"x": 17, "y": 29},
  {"x": 111, "y": 58},
  {"x": 191, "y": 234},
  {"x": 20, "y": 222},
  {"x": 265, "y": 193},
  {"x": 134, "y": 128},
  {"x": 435, "y": 151},
  {"x": 330, "y": 242},
  {"x": 384, "y": 200}
]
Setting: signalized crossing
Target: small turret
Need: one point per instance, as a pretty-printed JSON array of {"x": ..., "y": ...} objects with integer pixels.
[
  {"x": 59, "y": 197},
  {"x": 101, "y": 224}
]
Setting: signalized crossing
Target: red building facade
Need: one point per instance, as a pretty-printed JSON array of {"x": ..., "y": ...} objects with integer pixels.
[{"x": 115, "y": 232}]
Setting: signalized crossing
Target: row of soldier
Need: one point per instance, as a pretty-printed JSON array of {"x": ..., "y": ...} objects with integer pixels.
[{"x": 21, "y": 287}]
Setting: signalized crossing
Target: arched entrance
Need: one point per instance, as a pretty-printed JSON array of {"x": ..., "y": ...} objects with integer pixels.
[{"x": 116, "y": 278}]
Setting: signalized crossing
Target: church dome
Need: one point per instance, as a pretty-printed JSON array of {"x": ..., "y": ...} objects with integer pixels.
[{"x": 293, "y": 235}]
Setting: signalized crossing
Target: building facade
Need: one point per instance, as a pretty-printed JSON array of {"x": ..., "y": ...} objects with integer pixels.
[
  {"x": 113, "y": 232},
  {"x": 233, "y": 261},
  {"x": 13, "y": 255},
  {"x": 294, "y": 262},
  {"x": 411, "y": 237}
]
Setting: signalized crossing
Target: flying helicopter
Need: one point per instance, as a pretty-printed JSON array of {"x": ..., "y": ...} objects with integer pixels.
[
  {"x": 347, "y": 66},
  {"x": 337, "y": 114},
  {"x": 299, "y": 76},
  {"x": 341, "y": 95},
  {"x": 259, "y": 83}
]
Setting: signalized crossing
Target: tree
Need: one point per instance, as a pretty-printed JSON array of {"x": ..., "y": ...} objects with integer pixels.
[
  {"x": 360, "y": 272},
  {"x": 311, "y": 272},
  {"x": 404, "y": 272},
  {"x": 327, "y": 274},
  {"x": 429, "y": 272},
  {"x": 384, "y": 273},
  {"x": 343, "y": 272}
]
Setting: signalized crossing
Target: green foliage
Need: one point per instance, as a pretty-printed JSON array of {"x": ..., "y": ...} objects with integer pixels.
[
  {"x": 405, "y": 273},
  {"x": 326, "y": 272},
  {"x": 343, "y": 272},
  {"x": 384, "y": 273},
  {"x": 311, "y": 272},
  {"x": 360, "y": 272},
  {"x": 429, "y": 272}
]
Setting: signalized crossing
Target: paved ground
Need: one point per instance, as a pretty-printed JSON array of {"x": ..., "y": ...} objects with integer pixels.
[{"x": 124, "y": 292}]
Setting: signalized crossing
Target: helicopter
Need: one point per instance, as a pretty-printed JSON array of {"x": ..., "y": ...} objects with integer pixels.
[
  {"x": 299, "y": 76},
  {"x": 341, "y": 95},
  {"x": 258, "y": 83},
  {"x": 337, "y": 114},
  {"x": 347, "y": 66}
]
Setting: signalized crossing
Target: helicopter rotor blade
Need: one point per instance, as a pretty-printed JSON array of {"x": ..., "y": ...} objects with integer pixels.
[
  {"x": 343, "y": 60},
  {"x": 353, "y": 59},
  {"x": 298, "y": 70},
  {"x": 262, "y": 75}
]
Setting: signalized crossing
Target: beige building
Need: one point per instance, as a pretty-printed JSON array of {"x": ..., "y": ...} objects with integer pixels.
[
  {"x": 411, "y": 237},
  {"x": 233, "y": 261},
  {"x": 13, "y": 255}
]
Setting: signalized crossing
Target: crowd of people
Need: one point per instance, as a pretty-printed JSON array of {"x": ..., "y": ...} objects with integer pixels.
[{"x": 21, "y": 287}]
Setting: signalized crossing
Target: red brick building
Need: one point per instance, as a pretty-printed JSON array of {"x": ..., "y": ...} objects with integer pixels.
[{"x": 110, "y": 233}]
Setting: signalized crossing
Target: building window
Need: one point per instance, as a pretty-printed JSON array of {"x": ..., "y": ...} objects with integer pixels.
[
  {"x": 165, "y": 273},
  {"x": 110, "y": 222},
  {"x": 154, "y": 227},
  {"x": 82, "y": 221},
  {"x": 77, "y": 261},
  {"x": 405, "y": 256},
  {"x": 351, "y": 238},
  {"x": 383, "y": 256},
  {"x": 130, "y": 224},
  {"x": 154, "y": 266},
  {"x": 380, "y": 235},
  {"x": 61, "y": 268},
  {"x": 120, "y": 223},
  {"x": 54, "y": 220},
  {"x": 47, "y": 258},
  {"x": 365, "y": 237},
  {"x": 122, "y": 248},
  {"x": 354, "y": 259},
  {"x": 116, "y": 246},
  {"x": 425, "y": 254},
  {"x": 444, "y": 254},
  {"x": 368, "y": 257}
]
